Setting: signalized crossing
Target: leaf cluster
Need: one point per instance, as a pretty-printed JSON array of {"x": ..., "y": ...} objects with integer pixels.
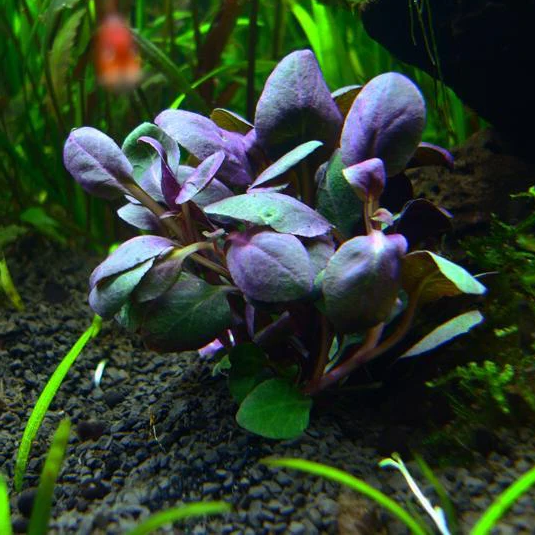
[{"x": 293, "y": 232}]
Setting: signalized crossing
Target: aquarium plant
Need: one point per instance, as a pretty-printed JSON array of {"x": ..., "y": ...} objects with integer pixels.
[{"x": 293, "y": 243}]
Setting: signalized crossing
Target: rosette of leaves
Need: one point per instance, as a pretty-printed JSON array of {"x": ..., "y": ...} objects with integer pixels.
[{"x": 285, "y": 240}]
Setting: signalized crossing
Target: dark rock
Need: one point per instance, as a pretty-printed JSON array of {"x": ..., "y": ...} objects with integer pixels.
[
  {"x": 93, "y": 489},
  {"x": 473, "y": 38},
  {"x": 90, "y": 429},
  {"x": 113, "y": 398},
  {"x": 25, "y": 502},
  {"x": 20, "y": 524}
]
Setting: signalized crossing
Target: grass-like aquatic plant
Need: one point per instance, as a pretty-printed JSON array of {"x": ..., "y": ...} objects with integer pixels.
[
  {"x": 42, "y": 506},
  {"x": 483, "y": 526},
  {"x": 177, "y": 514},
  {"x": 5, "y": 515},
  {"x": 286, "y": 238},
  {"x": 46, "y": 397}
]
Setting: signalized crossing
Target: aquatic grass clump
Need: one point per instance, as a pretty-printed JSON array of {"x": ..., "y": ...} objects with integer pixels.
[
  {"x": 293, "y": 240},
  {"x": 485, "y": 524}
]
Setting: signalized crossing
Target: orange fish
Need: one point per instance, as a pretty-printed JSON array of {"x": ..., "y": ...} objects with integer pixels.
[{"x": 117, "y": 60}]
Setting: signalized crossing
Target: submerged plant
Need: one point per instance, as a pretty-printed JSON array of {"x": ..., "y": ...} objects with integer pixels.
[{"x": 293, "y": 241}]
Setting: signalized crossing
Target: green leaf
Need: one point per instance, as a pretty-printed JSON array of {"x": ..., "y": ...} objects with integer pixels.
[
  {"x": 46, "y": 397},
  {"x": 275, "y": 409},
  {"x": 167, "y": 67},
  {"x": 334, "y": 474},
  {"x": 281, "y": 212},
  {"x": 230, "y": 121},
  {"x": 6, "y": 284},
  {"x": 247, "y": 364},
  {"x": 503, "y": 502},
  {"x": 435, "y": 277},
  {"x": 5, "y": 515},
  {"x": 336, "y": 199},
  {"x": 45, "y": 491},
  {"x": 60, "y": 57},
  {"x": 444, "y": 333},
  {"x": 43, "y": 223},
  {"x": 186, "y": 317},
  {"x": 180, "y": 513},
  {"x": 285, "y": 163}
]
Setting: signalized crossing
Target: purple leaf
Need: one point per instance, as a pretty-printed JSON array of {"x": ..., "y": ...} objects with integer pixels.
[
  {"x": 367, "y": 178},
  {"x": 270, "y": 267},
  {"x": 201, "y": 137},
  {"x": 429, "y": 154},
  {"x": 345, "y": 96},
  {"x": 130, "y": 254},
  {"x": 285, "y": 163},
  {"x": 140, "y": 217},
  {"x": 109, "y": 295},
  {"x": 96, "y": 162},
  {"x": 201, "y": 177},
  {"x": 296, "y": 106},
  {"x": 281, "y": 212},
  {"x": 362, "y": 281},
  {"x": 386, "y": 121}
]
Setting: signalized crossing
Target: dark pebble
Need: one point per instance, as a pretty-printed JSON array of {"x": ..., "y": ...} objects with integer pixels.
[
  {"x": 90, "y": 430},
  {"x": 92, "y": 489},
  {"x": 20, "y": 525},
  {"x": 25, "y": 502},
  {"x": 55, "y": 293},
  {"x": 113, "y": 398}
]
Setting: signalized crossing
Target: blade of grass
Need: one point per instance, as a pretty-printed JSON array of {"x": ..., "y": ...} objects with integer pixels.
[
  {"x": 162, "y": 62},
  {"x": 5, "y": 515},
  {"x": 40, "y": 516},
  {"x": 502, "y": 503},
  {"x": 6, "y": 284},
  {"x": 334, "y": 474},
  {"x": 180, "y": 513},
  {"x": 447, "y": 504},
  {"x": 46, "y": 397}
]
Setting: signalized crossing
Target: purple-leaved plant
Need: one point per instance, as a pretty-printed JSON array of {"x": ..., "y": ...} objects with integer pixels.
[{"x": 285, "y": 241}]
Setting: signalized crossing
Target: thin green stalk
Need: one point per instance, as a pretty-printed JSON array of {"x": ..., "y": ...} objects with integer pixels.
[
  {"x": 46, "y": 397},
  {"x": 40, "y": 516},
  {"x": 5, "y": 514},
  {"x": 503, "y": 502},
  {"x": 334, "y": 474}
]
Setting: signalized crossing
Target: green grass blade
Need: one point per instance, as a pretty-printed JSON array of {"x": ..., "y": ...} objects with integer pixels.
[
  {"x": 162, "y": 62},
  {"x": 180, "y": 513},
  {"x": 505, "y": 500},
  {"x": 447, "y": 505},
  {"x": 46, "y": 397},
  {"x": 45, "y": 491},
  {"x": 334, "y": 474},
  {"x": 5, "y": 516},
  {"x": 6, "y": 284}
]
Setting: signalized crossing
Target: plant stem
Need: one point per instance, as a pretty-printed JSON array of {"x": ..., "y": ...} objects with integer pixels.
[
  {"x": 325, "y": 345},
  {"x": 144, "y": 198},
  {"x": 368, "y": 351}
]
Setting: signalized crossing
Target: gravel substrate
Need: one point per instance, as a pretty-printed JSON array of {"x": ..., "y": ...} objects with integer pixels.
[{"x": 161, "y": 431}]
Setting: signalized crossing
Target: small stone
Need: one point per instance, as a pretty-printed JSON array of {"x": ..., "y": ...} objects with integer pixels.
[
  {"x": 90, "y": 430},
  {"x": 113, "y": 398},
  {"x": 210, "y": 488},
  {"x": 296, "y": 528},
  {"x": 93, "y": 489},
  {"x": 25, "y": 502},
  {"x": 20, "y": 525},
  {"x": 258, "y": 492}
]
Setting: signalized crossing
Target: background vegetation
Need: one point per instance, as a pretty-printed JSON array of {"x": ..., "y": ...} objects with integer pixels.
[{"x": 196, "y": 55}]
